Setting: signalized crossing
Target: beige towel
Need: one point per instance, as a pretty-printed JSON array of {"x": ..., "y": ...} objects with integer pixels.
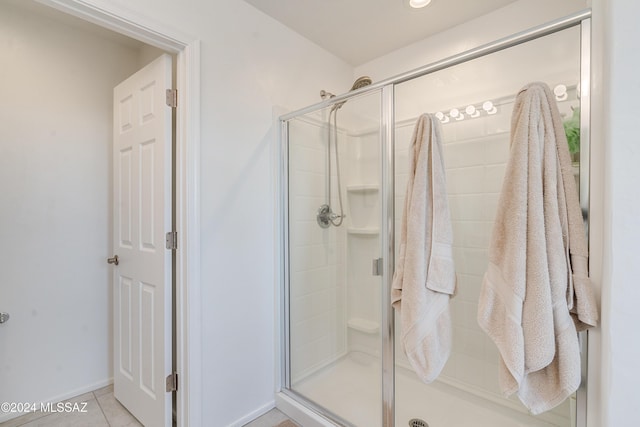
[
  {"x": 425, "y": 277},
  {"x": 538, "y": 255}
]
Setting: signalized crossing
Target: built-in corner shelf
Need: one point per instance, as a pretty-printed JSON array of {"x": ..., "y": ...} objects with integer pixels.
[
  {"x": 367, "y": 188},
  {"x": 368, "y": 231},
  {"x": 363, "y": 325}
]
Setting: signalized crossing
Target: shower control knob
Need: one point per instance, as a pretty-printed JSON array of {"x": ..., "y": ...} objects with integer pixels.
[
  {"x": 323, "y": 216},
  {"x": 4, "y": 317}
]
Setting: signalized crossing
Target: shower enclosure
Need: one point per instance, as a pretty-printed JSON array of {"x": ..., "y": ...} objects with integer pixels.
[{"x": 341, "y": 362}]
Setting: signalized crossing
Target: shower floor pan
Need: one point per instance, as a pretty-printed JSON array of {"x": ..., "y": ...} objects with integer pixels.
[{"x": 350, "y": 388}]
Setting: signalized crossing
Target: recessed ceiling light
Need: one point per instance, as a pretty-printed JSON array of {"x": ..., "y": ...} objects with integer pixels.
[{"x": 417, "y": 4}]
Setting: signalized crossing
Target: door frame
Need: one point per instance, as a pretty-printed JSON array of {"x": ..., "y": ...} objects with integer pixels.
[{"x": 187, "y": 175}]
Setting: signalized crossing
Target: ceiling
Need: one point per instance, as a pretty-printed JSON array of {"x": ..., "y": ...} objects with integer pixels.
[{"x": 360, "y": 30}]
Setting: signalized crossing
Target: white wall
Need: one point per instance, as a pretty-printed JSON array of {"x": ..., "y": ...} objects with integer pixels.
[
  {"x": 249, "y": 63},
  {"x": 620, "y": 290},
  {"x": 55, "y": 181},
  {"x": 265, "y": 64}
]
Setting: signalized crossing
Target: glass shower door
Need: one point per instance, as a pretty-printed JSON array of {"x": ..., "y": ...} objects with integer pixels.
[
  {"x": 475, "y": 106},
  {"x": 333, "y": 237}
]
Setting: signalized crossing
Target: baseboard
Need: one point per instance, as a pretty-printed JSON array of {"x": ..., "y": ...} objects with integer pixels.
[
  {"x": 253, "y": 415},
  {"x": 62, "y": 397}
]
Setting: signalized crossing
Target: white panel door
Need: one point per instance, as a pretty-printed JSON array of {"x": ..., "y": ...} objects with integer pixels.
[{"x": 142, "y": 216}]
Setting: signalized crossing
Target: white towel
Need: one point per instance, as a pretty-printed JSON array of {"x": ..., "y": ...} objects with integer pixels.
[
  {"x": 425, "y": 277},
  {"x": 538, "y": 255}
]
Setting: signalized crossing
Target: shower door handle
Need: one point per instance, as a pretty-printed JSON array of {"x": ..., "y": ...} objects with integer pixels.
[{"x": 376, "y": 267}]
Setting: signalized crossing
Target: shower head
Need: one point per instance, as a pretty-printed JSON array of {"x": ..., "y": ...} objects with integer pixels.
[{"x": 359, "y": 83}]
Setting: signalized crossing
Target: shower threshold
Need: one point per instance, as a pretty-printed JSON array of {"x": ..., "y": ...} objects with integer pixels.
[{"x": 350, "y": 388}]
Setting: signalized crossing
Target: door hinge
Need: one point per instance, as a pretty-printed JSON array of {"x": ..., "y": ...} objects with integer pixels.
[
  {"x": 376, "y": 267},
  {"x": 172, "y": 382},
  {"x": 172, "y": 98},
  {"x": 172, "y": 240}
]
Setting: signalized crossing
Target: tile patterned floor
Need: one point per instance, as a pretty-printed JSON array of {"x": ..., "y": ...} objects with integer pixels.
[
  {"x": 103, "y": 410},
  {"x": 273, "y": 418}
]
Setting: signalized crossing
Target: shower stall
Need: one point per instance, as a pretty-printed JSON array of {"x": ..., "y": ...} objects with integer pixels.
[{"x": 343, "y": 178}]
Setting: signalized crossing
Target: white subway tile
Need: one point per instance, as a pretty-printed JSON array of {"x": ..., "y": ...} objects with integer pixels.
[
  {"x": 461, "y": 154},
  {"x": 401, "y": 184},
  {"x": 467, "y": 207},
  {"x": 321, "y": 349},
  {"x": 402, "y": 162},
  {"x": 450, "y": 368},
  {"x": 303, "y": 133},
  {"x": 470, "y": 342},
  {"x": 490, "y": 374},
  {"x": 403, "y": 137},
  {"x": 499, "y": 122},
  {"x": 309, "y": 257},
  {"x": 457, "y": 312},
  {"x": 469, "y": 180},
  {"x": 320, "y": 303},
  {"x": 490, "y": 207},
  {"x": 468, "y": 129},
  {"x": 476, "y": 261},
  {"x": 470, "y": 370},
  {"x": 309, "y": 281},
  {"x": 468, "y": 287},
  {"x": 472, "y": 205},
  {"x": 458, "y": 258},
  {"x": 472, "y": 234},
  {"x": 468, "y": 314},
  {"x": 457, "y": 341},
  {"x": 307, "y": 159},
  {"x": 494, "y": 178},
  {"x": 490, "y": 351},
  {"x": 303, "y": 233},
  {"x": 304, "y": 208},
  {"x": 307, "y": 184},
  {"x": 497, "y": 149}
]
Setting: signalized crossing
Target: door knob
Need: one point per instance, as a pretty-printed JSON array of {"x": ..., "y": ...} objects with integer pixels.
[
  {"x": 4, "y": 317},
  {"x": 113, "y": 260}
]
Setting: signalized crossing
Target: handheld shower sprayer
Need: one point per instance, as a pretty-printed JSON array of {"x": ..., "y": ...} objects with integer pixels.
[{"x": 325, "y": 215}]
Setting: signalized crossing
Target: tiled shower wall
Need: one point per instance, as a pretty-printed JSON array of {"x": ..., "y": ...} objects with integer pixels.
[
  {"x": 363, "y": 242},
  {"x": 317, "y": 267}
]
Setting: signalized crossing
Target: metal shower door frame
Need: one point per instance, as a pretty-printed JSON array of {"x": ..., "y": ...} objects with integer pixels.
[{"x": 582, "y": 19}]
